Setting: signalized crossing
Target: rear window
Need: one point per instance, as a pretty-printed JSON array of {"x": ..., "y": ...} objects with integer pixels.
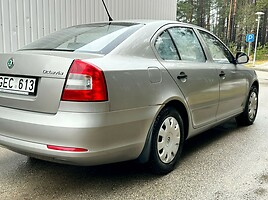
[{"x": 93, "y": 38}]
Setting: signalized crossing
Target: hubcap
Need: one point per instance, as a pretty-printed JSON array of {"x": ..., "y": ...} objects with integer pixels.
[
  {"x": 168, "y": 140},
  {"x": 252, "y": 105}
]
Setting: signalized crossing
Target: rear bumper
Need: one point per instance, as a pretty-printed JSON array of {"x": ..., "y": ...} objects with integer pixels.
[{"x": 109, "y": 137}]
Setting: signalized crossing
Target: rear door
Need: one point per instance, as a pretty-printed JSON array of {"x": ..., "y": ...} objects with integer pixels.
[
  {"x": 180, "y": 52},
  {"x": 233, "y": 82}
]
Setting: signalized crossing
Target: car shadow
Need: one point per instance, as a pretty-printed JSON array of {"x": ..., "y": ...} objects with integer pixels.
[{"x": 208, "y": 137}]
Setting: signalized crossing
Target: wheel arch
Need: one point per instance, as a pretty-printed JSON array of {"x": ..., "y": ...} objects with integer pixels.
[
  {"x": 256, "y": 84},
  {"x": 180, "y": 107},
  {"x": 243, "y": 119}
]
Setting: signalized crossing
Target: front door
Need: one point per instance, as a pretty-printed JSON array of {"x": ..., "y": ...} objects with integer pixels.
[{"x": 233, "y": 84}]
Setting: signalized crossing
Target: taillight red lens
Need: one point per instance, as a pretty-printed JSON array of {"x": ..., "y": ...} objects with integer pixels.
[{"x": 85, "y": 82}]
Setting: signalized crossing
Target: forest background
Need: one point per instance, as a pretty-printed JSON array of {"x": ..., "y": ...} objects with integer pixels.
[{"x": 230, "y": 20}]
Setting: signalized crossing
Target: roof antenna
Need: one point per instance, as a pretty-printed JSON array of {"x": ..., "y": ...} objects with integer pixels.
[{"x": 110, "y": 18}]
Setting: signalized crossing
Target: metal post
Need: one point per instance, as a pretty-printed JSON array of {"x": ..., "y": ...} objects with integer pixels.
[
  {"x": 256, "y": 41},
  {"x": 249, "y": 45}
]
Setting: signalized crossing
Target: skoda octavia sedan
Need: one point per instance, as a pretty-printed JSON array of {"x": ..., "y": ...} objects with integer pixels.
[{"x": 116, "y": 91}]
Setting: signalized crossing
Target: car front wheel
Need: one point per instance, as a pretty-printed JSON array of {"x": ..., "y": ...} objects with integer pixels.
[{"x": 248, "y": 116}]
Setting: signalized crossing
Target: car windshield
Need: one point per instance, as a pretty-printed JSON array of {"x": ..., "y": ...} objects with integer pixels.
[{"x": 93, "y": 38}]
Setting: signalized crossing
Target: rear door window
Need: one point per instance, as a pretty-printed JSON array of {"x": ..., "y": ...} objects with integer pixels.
[
  {"x": 165, "y": 47},
  {"x": 187, "y": 44},
  {"x": 179, "y": 43}
]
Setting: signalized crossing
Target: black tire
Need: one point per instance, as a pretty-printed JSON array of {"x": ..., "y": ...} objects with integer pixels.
[
  {"x": 250, "y": 112},
  {"x": 163, "y": 160}
]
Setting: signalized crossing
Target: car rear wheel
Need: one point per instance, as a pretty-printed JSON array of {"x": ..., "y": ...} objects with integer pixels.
[
  {"x": 248, "y": 116},
  {"x": 167, "y": 141}
]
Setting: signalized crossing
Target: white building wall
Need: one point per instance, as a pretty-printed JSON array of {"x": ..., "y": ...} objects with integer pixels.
[{"x": 23, "y": 21}]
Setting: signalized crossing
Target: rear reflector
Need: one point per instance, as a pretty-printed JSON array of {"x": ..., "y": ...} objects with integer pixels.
[
  {"x": 85, "y": 82},
  {"x": 70, "y": 149}
]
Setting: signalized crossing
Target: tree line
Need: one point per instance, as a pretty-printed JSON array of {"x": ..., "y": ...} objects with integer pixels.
[{"x": 230, "y": 20}]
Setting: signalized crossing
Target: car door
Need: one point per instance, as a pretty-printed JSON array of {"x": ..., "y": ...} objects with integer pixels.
[
  {"x": 181, "y": 54},
  {"x": 233, "y": 83}
]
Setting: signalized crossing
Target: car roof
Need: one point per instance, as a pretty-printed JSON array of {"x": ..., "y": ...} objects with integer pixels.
[
  {"x": 147, "y": 22},
  {"x": 142, "y": 21}
]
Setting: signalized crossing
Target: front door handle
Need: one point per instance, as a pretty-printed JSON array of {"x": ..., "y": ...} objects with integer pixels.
[{"x": 222, "y": 74}]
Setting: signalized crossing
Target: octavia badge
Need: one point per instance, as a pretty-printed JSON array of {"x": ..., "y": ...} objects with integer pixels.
[{"x": 10, "y": 63}]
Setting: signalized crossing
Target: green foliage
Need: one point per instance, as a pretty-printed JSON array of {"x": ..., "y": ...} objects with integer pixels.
[
  {"x": 233, "y": 48},
  {"x": 184, "y": 11},
  {"x": 215, "y": 16},
  {"x": 262, "y": 4},
  {"x": 262, "y": 52}
]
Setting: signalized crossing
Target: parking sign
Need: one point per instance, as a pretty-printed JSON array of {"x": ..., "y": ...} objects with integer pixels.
[{"x": 250, "y": 38}]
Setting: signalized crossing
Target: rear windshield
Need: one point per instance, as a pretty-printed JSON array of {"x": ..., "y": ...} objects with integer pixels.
[{"x": 93, "y": 38}]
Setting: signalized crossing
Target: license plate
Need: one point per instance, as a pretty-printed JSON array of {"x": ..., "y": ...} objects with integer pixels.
[{"x": 17, "y": 85}]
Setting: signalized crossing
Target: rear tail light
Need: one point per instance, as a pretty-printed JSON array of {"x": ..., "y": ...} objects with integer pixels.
[{"x": 85, "y": 82}]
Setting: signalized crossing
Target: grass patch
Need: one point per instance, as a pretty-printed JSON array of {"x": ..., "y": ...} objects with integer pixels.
[{"x": 258, "y": 62}]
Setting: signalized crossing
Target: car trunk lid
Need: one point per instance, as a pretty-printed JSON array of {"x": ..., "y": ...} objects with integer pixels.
[{"x": 32, "y": 82}]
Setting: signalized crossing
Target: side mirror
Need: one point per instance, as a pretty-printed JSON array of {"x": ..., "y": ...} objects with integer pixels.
[{"x": 241, "y": 58}]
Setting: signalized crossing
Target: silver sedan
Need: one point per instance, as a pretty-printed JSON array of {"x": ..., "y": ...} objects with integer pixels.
[{"x": 115, "y": 91}]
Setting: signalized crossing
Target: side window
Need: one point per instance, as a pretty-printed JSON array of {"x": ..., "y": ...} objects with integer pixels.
[
  {"x": 188, "y": 46},
  {"x": 165, "y": 47},
  {"x": 218, "y": 51}
]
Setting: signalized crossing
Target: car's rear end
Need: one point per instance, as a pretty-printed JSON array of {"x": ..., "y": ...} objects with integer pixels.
[{"x": 54, "y": 102}]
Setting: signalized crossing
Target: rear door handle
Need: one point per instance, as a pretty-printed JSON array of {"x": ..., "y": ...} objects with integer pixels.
[{"x": 182, "y": 75}]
